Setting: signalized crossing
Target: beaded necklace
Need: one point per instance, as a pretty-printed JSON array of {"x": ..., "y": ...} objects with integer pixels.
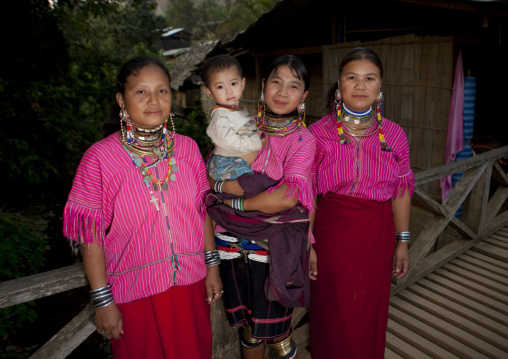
[
  {"x": 281, "y": 128},
  {"x": 165, "y": 151},
  {"x": 231, "y": 107},
  {"x": 340, "y": 129}
]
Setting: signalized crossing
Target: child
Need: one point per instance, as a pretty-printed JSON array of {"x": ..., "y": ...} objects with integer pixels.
[{"x": 232, "y": 130}]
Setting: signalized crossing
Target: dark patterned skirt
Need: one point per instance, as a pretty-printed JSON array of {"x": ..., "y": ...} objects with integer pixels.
[{"x": 244, "y": 268}]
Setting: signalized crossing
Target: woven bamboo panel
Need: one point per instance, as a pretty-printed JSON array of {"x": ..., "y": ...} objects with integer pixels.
[{"x": 417, "y": 85}]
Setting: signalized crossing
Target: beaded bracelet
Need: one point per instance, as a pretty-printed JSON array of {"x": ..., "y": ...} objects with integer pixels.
[
  {"x": 101, "y": 297},
  {"x": 212, "y": 258},
  {"x": 218, "y": 186},
  {"x": 403, "y": 236}
]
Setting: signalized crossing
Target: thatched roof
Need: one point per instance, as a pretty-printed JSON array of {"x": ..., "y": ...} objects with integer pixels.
[{"x": 189, "y": 62}]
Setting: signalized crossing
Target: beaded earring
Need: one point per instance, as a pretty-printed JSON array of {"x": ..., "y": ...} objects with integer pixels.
[
  {"x": 337, "y": 104},
  {"x": 301, "y": 118},
  {"x": 379, "y": 105},
  {"x": 261, "y": 108},
  {"x": 128, "y": 130}
]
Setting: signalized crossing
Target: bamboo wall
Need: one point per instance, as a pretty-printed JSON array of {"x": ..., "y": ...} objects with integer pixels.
[{"x": 417, "y": 85}]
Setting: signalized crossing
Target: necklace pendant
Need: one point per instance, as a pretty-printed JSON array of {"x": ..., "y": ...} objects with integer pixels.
[
  {"x": 347, "y": 118},
  {"x": 357, "y": 121},
  {"x": 172, "y": 177},
  {"x": 147, "y": 179},
  {"x": 173, "y": 161},
  {"x": 174, "y": 168},
  {"x": 155, "y": 186},
  {"x": 165, "y": 186},
  {"x": 154, "y": 201}
]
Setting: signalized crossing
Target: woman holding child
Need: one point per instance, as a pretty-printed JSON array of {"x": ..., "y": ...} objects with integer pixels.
[{"x": 275, "y": 187}]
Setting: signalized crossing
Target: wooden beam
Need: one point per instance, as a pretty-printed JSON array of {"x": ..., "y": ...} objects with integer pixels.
[
  {"x": 429, "y": 202},
  {"x": 434, "y": 261},
  {"x": 69, "y": 337},
  {"x": 294, "y": 51},
  {"x": 496, "y": 202},
  {"x": 499, "y": 174},
  {"x": 41, "y": 285},
  {"x": 476, "y": 207},
  {"x": 459, "y": 166},
  {"x": 462, "y": 228},
  {"x": 462, "y": 188}
]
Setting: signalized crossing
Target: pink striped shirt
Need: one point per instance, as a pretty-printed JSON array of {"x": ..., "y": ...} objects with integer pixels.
[
  {"x": 361, "y": 169},
  {"x": 289, "y": 160},
  {"x": 109, "y": 191}
]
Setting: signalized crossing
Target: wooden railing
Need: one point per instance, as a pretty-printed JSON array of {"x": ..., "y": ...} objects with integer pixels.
[{"x": 482, "y": 215}]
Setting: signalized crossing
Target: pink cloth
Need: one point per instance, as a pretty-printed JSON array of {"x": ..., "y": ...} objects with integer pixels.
[
  {"x": 109, "y": 191},
  {"x": 290, "y": 159},
  {"x": 361, "y": 169},
  {"x": 455, "y": 135}
]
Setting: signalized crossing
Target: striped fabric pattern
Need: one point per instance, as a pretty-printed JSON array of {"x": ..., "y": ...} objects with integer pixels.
[
  {"x": 290, "y": 159},
  {"x": 109, "y": 190},
  {"x": 361, "y": 169},
  {"x": 469, "y": 107}
]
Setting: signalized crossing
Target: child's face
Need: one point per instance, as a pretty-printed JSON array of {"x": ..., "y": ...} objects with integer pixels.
[{"x": 226, "y": 87}]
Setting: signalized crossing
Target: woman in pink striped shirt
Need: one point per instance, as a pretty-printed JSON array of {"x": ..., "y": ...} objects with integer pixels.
[
  {"x": 137, "y": 207},
  {"x": 251, "y": 291},
  {"x": 364, "y": 182}
]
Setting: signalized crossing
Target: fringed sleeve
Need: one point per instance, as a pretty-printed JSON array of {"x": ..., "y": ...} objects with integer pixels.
[
  {"x": 297, "y": 169},
  {"x": 405, "y": 182},
  {"x": 298, "y": 187},
  {"x": 80, "y": 222},
  {"x": 83, "y": 211},
  {"x": 406, "y": 178}
]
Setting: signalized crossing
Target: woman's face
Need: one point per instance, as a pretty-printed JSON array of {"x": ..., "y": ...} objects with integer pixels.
[
  {"x": 359, "y": 84},
  {"x": 147, "y": 97},
  {"x": 284, "y": 91}
]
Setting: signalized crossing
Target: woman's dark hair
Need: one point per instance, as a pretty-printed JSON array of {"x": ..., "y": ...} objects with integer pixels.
[
  {"x": 219, "y": 63},
  {"x": 297, "y": 67},
  {"x": 131, "y": 67},
  {"x": 358, "y": 53}
]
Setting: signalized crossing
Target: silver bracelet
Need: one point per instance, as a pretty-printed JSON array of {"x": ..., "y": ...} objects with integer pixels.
[
  {"x": 101, "y": 297},
  {"x": 403, "y": 236},
  {"x": 218, "y": 186},
  {"x": 212, "y": 258}
]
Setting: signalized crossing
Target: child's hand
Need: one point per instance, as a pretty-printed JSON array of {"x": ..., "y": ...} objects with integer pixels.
[{"x": 263, "y": 141}]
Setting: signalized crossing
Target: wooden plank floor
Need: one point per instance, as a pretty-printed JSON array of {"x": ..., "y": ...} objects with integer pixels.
[{"x": 458, "y": 311}]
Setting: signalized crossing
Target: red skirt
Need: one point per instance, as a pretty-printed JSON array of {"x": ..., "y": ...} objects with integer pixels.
[
  {"x": 173, "y": 324},
  {"x": 349, "y": 301}
]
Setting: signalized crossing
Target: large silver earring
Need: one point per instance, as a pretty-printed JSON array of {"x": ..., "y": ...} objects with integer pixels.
[
  {"x": 128, "y": 130},
  {"x": 338, "y": 97},
  {"x": 301, "y": 112}
]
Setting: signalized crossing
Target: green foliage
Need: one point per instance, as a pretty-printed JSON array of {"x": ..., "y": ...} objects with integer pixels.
[
  {"x": 194, "y": 126},
  {"x": 22, "y": 246},
  {"x": 212, "y": 20}
]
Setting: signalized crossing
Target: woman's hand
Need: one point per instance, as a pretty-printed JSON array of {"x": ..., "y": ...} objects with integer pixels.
[
  {"x": 108, "y": 321},
  {"x": 312, "y": 264},
  {"x": 401, "y": 260},
  {"x": 213, "y": 284}
]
